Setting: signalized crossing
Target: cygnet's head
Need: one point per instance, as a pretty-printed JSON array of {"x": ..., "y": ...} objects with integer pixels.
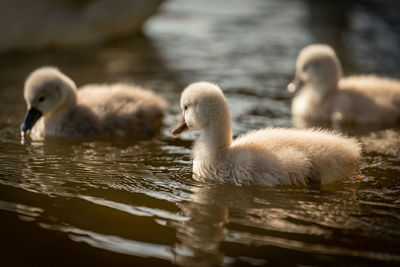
[
  {"x": 202, "y": 104},
  {"x": 318, "y": 68},
  {"x": 46, "y": 89}
]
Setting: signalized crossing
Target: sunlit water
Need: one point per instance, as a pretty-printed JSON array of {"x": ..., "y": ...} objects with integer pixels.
[{"x": 126, "y": 202}]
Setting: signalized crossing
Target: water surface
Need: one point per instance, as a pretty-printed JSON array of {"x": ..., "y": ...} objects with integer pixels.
[{"x": 126, "y": 202}]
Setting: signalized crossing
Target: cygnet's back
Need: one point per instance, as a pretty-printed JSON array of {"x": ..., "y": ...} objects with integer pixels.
[
  {"x": 93, "y": 110},
  {"x": 298, "y": 156},
  {"x": 367, "y": 100},
  {"x": 123, "y": 109}
]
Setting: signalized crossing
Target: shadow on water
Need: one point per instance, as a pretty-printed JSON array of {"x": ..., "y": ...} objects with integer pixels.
[{"x": 365, "y": 34}]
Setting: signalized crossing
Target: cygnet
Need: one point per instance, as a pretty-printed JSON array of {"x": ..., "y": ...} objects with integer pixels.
[
  {"x": 322, "y": 94},
  {"x": 57, "y": 108},
  {"x": 267, "y": 156}
]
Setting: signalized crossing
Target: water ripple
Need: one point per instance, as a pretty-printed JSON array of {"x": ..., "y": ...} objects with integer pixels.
[{"x": 134, "y": 210}]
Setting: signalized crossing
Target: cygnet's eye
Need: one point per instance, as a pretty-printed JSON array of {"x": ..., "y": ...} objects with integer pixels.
[
  {"x": 41, "y": 99},
  {"x": 185, "y": 107}
]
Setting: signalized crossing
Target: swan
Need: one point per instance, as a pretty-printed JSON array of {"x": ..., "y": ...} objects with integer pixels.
[
  {"x": 57, "y": 108},
  {"x": 321, "y": 93},
  {"x": 267, "y": 157}
]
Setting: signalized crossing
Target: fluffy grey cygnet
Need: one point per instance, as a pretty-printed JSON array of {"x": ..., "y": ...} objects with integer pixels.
[{"x": 57, "y": 108}]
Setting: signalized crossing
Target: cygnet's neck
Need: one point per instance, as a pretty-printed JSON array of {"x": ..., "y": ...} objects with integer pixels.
[
  {"x": 320, "y": 92},
  {"x": 307, "y": 101},
  {"x": 216, "y": 136}
]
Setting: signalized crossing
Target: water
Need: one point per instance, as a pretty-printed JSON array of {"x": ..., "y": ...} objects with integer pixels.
[{"x": 125, "y": 202}]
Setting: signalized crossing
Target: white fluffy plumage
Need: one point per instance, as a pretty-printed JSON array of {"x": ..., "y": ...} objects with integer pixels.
[
  {"x": 268, "y": 156},
  {"x": 322, "y": 93}
]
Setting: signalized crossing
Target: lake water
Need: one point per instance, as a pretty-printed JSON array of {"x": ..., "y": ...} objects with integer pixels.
[{"x": 114, "y": 202}]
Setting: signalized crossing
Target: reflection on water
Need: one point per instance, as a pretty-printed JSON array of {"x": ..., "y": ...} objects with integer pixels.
[
  {"x": 202, "y": 234},
  {"x": 126, "y": 202}
]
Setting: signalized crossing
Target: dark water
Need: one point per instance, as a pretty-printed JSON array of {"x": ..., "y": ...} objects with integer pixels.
[{"x": 118, "y": 202}]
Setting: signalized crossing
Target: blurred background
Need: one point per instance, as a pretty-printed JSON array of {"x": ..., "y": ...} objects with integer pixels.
[
  {"x": 248, "y": 48},
  {"x": 122, "y": 202}
]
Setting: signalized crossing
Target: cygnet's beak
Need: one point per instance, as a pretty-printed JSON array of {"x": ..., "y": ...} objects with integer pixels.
[
  {"x": 294, "y": 86},
  {"x": 31, "y": 117},
  {"x": 180, "y": 128}
]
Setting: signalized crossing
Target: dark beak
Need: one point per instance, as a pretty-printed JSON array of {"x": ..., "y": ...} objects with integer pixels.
[
  {"x": 294, "y": 86},
  {"x": 31, "y": 118},
  {"x": 180, "y": 128}
]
